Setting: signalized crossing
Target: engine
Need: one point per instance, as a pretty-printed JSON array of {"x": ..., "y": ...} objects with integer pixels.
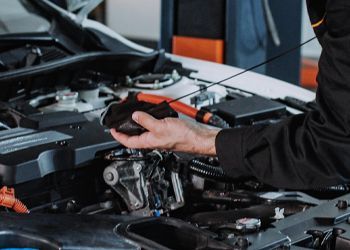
[{"x": 59, "y": 159}]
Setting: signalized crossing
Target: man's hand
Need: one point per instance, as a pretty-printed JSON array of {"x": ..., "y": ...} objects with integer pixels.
[{"x": 169, "y": 134}]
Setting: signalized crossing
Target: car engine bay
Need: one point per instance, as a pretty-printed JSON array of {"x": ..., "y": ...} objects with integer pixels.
[
  {"x": 60, "y": 160},
  {"x": 58, "y": 163}
]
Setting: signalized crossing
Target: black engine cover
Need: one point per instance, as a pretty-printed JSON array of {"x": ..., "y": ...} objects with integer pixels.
[{"x": 53, "y": 143}]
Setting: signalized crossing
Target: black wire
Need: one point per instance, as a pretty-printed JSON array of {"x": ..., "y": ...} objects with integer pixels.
[{"x": 246, "y": 70}]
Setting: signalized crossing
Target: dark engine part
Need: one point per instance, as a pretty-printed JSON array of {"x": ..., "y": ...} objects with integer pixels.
[
  {"x": 145, "y": 185},
  {"x": 219, "y": 218},
  {"x": 73, "y": 191},
  {"x": 9, "y": 117},
  {"x": 248, "y": 111},
  {"x": 323, "y": 227},
  {"x": 55, "y": 232},
  {"x": 153, "y": 81},
  {"x": 167, "y": 233},
  {"x": 233, "y": 199},
  {"x": 331, "y": 192},
  {"x": 54, "y": 142},
  {"x": 207, "y": 170},
  {"x": 29, "y": 56}
]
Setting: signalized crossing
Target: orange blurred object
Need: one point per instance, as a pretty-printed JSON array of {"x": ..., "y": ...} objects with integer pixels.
[
  {"x": 177, "y": 105},
  {"x": 309, "y": 73},
  {"x": 8, "y": 199},
  {"x": 199, "y": 48}
]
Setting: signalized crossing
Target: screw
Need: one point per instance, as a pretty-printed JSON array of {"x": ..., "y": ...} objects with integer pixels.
[
  {"x": 109, "y": 177},
  {"x": 62, "y": 143},
  {"x": 242, "y": 242},
  {"x": 342, "y": 204},
  {"x": 230, "y": 236}
]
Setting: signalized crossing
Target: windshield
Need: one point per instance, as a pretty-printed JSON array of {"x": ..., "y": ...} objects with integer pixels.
[{"x": 16, "y": 17}]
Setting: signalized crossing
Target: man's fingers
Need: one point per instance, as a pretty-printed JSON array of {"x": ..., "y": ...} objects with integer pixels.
[
  {"x": 145, "y": 120},
  {"x": 129, "y": 141},
  {"x": 120, "y": 137}
]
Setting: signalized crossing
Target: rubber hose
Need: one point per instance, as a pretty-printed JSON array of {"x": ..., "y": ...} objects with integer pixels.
[{"x": 206, "y": 170}]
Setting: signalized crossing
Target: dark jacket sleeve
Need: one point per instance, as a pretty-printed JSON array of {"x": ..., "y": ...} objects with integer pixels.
[{"x": 309, "y": 150}]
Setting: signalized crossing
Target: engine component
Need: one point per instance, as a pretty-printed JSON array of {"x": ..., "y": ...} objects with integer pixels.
[
  {"x": 85, "y": 98},
  {"x": 8, "y": 199},
  {"x": 247, "y": 111},
  {"x": 221, "y": 218},
  {"x": 9, "y": 118},
  {"x": 206, "y": 170},
  {"x": 3, "y": 67},
  {"x": 248, "y": 225},
  {"x": 143, "y": 185},
  {"x": 153, "y": 81},
  {"x": 125, "y": 178},
  {"x": 204, "y": 98},
  {"x": 169, "y": 233},
  {"x": 50, "y": 143},
  {"x": 87, "y": 88},
  {"x": 67, "y": 101},
  {"x": 234, "y": 199}
]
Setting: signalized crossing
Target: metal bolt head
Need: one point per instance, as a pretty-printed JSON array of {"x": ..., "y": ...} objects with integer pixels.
[
  {"x": 242, "y": 242},
  {"x": 342, "y": 204},
  {"x": 109, "y": 176}
]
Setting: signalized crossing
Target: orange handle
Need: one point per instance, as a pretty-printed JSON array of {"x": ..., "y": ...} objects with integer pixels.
[{"x": 177, "y": 105}]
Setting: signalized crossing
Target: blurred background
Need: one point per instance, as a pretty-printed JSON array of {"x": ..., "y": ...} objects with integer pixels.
[{"x": 235, "y": 32}]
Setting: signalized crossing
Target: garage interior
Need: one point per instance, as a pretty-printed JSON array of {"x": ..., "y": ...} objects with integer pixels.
[{"x": 174, "y": 124}]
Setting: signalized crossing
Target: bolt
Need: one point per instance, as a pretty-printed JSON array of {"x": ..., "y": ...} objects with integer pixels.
[
  {"x": 71, "y": 206},
  {"x": 342, "y": 204},
  {"x": 230, "y": 236},
  {"x": 54, "y": 207},
  {"x": 242, "y": 242},
  {"x": 62, "y": 143},
  {"x": 109, "y": 176}
]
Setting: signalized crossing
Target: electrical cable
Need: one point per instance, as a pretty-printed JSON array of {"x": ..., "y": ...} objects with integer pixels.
[
  {"x": 246, "y": 70},
  {"x": 206, "y": 170},
  {"x": 8, "y": 200}
]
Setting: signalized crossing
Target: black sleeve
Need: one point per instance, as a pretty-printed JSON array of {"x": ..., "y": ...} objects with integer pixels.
[{"x": 309, "y": 150}]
